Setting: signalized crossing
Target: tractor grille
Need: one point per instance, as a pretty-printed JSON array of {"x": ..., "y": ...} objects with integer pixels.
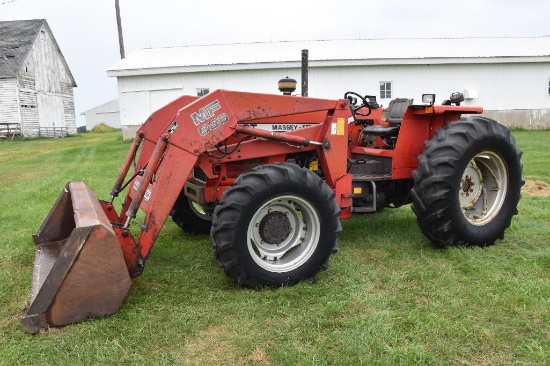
[{"x": 199, "y": 175}]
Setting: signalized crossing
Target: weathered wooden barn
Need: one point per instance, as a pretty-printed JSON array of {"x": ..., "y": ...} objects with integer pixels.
[
  {"x": 509, "y": 77},
  {"x": 36, "y": 85},
  {"x": 107, "y": 113}
]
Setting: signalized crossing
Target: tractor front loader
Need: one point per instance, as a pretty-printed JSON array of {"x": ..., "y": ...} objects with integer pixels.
[{"x": 269, "y": 177}]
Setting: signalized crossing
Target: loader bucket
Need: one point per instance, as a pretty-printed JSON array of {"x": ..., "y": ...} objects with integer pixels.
[{"x": 79, "y": 269}]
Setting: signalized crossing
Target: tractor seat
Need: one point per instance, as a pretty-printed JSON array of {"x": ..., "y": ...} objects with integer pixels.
[
  {"x": 381, "y": 131},
  {"x": 395, "y": 111}
]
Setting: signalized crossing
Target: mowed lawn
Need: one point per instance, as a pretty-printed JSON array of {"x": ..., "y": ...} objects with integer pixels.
[{"x": 388, "y": 297}]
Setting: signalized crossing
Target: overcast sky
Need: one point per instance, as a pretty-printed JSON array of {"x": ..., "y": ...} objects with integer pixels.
[{"x": 87, "y": 34}]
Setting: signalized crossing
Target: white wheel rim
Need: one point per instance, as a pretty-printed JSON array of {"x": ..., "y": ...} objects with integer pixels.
[
  {"x": 283, "y": 233},
  {"x": 483, "y": 188}
]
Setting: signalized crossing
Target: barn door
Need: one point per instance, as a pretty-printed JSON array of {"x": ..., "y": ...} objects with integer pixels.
[{"x": 50, "y": 115}]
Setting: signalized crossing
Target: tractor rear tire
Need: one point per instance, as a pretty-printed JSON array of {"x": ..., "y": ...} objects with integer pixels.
[
  {"x": 468, "y": 182},
  {"x": 276, "y": 226},
  {"x": 190, "y": 216}
]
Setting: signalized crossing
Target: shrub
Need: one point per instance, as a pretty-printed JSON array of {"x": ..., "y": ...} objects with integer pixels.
[{"x": 102, "y": 127}]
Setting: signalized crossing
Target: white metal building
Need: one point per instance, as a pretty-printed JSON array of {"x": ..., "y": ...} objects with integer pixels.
[
  {"x": 509, "y": 77},
  {"x": 36, "y": 85},
  {"x": 107, "y": 113}
]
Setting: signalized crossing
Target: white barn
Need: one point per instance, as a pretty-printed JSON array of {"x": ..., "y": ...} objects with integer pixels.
[
  {"x": 107, "y": 113},
  {"x": 509, "y": 77},
  {"x": 36, "y": 85}
]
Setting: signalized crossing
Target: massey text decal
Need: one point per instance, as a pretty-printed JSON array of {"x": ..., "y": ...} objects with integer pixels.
[{"x": 279, "y": 127}]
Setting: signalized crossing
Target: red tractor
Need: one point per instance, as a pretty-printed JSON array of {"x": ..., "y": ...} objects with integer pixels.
[{"x": 269, "y": 177}]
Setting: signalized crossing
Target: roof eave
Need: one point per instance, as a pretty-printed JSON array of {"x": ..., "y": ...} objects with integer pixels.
[
  {"x": 200, "y": 68},
  {"x": 323, "y": 63}
]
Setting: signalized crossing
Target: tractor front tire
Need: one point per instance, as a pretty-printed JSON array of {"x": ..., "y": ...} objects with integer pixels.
[
  {"x": 275, "y": 226},
  {"x": 190, "y": 216},
  {"x": 468, "y": 182}
]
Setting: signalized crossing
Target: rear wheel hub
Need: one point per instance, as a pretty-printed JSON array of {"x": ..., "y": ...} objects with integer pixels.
[{"x": 275, "y": 228}]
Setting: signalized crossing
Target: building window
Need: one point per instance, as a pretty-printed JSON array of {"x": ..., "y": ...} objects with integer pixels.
[
  {"x": 548, "y": 90},
  {"x": 43, "y": 35},
  {"x": 385, "y": 90},
  {"x": 201, "y": 92}
]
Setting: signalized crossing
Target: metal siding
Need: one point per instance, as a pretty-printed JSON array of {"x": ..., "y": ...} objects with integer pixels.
[
  {"x": 142, "y": 95},
  {"x": 159, "y": 98},
  {"x": 499, "y": 86},
  {"x": 111, "y": 119},
  {"x": 108, "y": 113},
  {"x": 521, "y": 86},
  {"x": 134, "y": 107}
]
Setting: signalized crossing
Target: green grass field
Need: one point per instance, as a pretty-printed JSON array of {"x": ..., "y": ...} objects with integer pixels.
[{"x": 388, "y": 298}]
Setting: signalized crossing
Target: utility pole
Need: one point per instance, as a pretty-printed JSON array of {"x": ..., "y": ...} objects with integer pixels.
[{"x": 119, "y": 25}]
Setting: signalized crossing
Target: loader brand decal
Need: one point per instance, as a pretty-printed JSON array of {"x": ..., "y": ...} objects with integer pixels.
[
  {"x": 205, "y": 113},
  {"x": 279, "y": 127},
  {"x": 213, "y": 124},
  {"x": 206, "y": 119}
]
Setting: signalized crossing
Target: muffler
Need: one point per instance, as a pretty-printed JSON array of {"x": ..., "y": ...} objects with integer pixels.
[{"x": 79, "y": 269}]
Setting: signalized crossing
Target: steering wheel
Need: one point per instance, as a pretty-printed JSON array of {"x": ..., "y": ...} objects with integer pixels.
[{"x": 351, "y": 96}]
